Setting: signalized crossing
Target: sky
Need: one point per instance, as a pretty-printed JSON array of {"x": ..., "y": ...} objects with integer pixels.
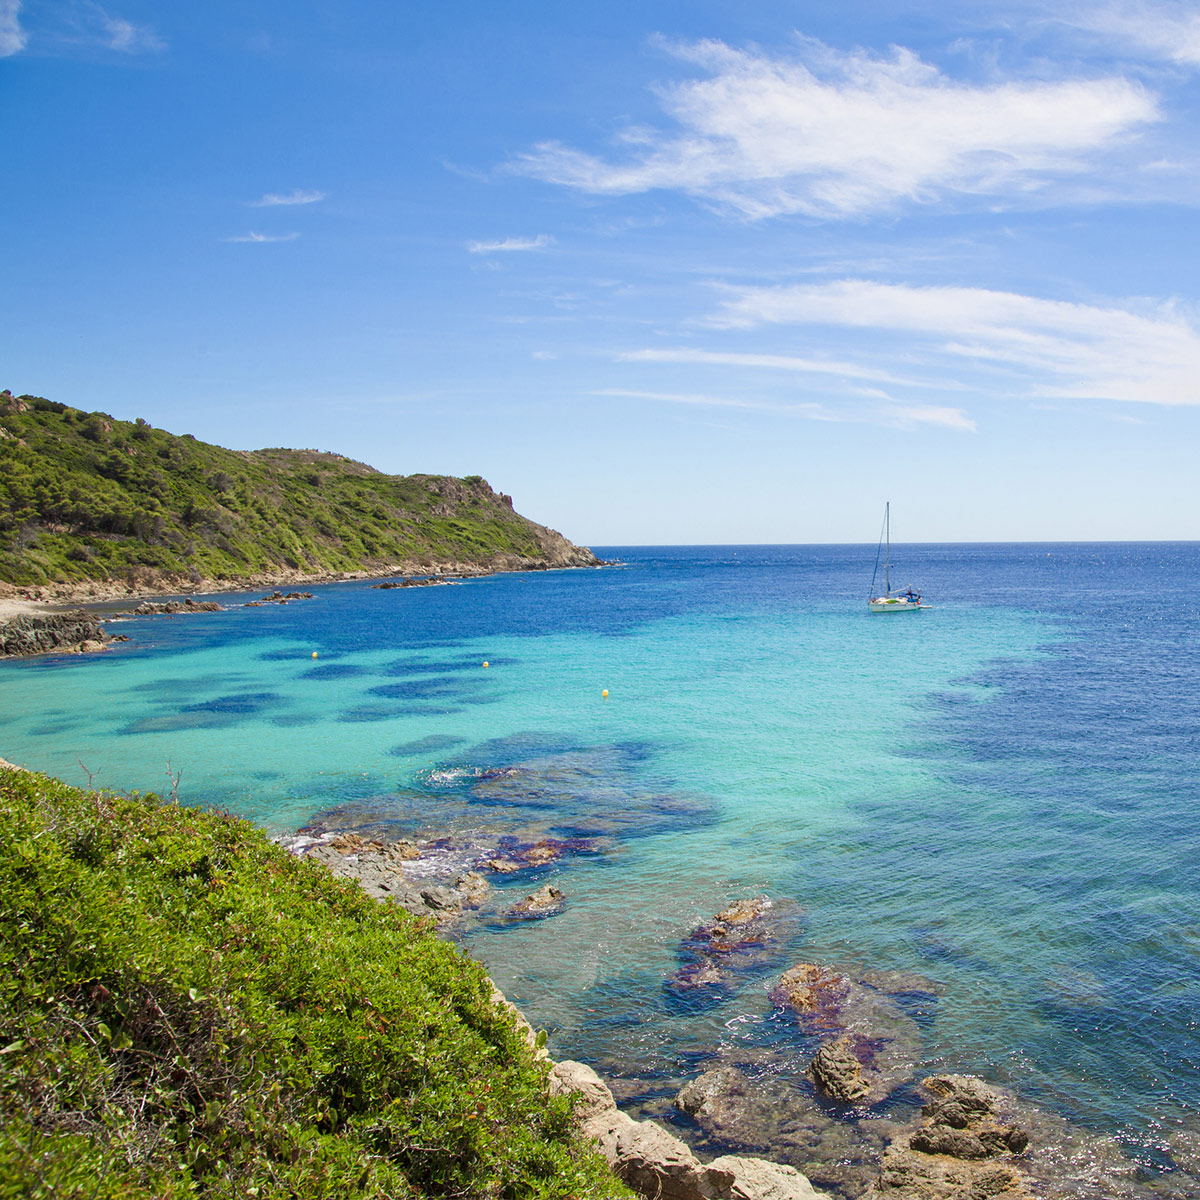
[{"x": 674, "y": 271}]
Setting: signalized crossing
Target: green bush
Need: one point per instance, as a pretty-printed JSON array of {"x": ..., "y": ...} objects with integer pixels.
[{"x": 188, "y": 1011}]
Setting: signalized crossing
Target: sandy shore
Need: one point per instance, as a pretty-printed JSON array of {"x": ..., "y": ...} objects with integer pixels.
[{"x": 11, "y": 607}]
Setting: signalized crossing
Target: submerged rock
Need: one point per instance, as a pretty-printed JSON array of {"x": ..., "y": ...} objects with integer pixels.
[
  {"x": 542, "y": 903},
  {"x": 870, "y": 1046},
  {"x": 748, "y": 935}
]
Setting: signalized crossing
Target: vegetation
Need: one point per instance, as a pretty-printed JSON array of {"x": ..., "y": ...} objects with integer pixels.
[
  {"x": 84, "y": 496},
  {"x": 186, "y": 1010}
]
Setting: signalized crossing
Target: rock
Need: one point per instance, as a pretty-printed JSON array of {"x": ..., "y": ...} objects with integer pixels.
[
  {"x": 503, "y": 866},
  {"x": 745, "y": 936},
  {"x": 962, "y": 1150},
  {"x": 543, "y": 902},
  {"x": 51, "y": 633},
  {"x": 757, "y": 1179},
  {"x": 838, "y": 1073},
  {"x": 869, "y": 1045},
  {"x": 442, "y": 899},
  {"x": 655, "y": 1163},
  {"x": 170, "y": 608},
  {"x": 705, "y": 1092},
  {"x": 473, "y": 889}
]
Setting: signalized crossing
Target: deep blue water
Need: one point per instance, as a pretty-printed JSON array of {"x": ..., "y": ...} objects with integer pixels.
[{"x": 998, "y": 793}]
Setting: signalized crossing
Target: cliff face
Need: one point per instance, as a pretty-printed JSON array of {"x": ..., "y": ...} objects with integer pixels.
[{"x": 93, "y": 505}]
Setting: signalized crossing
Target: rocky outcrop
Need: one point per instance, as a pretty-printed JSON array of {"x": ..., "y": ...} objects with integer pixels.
[
  {"x": 378, "y": 868},
  {"x": 544, "y": 902},
  {"x": 869, "y": 1044},
  {"x": 278, "y": 597},
  {"x": 657, "y": 1164},
  {"x": 72, "y": 632},
  {"x": 171, "y": 608},
  {"x": 747, "y": 936},
  {"x": 965, "y": 1147}
]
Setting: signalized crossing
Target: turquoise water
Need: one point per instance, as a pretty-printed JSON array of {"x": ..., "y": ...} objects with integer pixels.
[{"x": 996, "y": 794}]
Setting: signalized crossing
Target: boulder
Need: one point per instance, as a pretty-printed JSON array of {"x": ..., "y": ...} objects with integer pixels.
[
  {"x": 473, "y": 889},
  {"x": 757, "y": 1179},
  {"x": 657, "y": 1164},
  {"x": 964, "y": 1147},
  {"x": 707, "y": 1092},
  {"x": 838, "y": 1073},
  {"x": 542, "y": 903}
]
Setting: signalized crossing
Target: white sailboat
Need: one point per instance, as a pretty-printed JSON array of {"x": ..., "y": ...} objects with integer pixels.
[{"x": 906, "y": 601}]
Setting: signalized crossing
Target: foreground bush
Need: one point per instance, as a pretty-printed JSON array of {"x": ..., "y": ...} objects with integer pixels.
[{"x": 188, "y": 1011}]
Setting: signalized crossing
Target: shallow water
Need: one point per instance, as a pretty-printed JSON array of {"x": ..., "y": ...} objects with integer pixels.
[{"x": 996, "y": 794}]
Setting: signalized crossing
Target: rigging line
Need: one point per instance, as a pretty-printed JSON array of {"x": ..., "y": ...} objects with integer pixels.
[{"x": 878, "y": 552}]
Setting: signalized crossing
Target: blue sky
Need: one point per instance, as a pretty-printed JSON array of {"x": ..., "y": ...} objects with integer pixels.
[{"x": 665, "y": 272}]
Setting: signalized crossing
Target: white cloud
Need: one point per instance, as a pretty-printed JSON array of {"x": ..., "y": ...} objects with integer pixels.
[
  {"x": 778, "y": 362},
  {"x": 833, "y": 134},
  {"x": 1151, "y": 355},
  {"x": 1169, "y": 31},
  {"x": 12, "y": 36},
  {"x": 511, "y": 244},
  {"x": 907, "y": 416},
  {"x": 127, "y": 37},
  {"x": 296, "y": 196},
  {"x": 694, "y": 398},
  {"x": 891, "y": 414},
  {"x": 263, "y": 237}
]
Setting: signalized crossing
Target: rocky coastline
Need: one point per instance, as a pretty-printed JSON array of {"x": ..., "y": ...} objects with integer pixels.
[
  {"x": 40, "y": 620},
  {"x": 853, "y": 1119}
]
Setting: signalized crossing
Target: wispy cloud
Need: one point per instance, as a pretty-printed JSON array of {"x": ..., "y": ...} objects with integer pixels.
[
  {"x": 777, "y": 362},
  {"x": 508, "y": 245},
  {"x": 12, "y": 36},
  {"x": 892, "y": 414},
  {"x": 908, "y": 416},
  {"x": 296, "y": 196},
  {"x": 1146, "y": 354},
  {"x": 125, "y": 36},
  {"x": 832, "y": 134},
  {"x": 694, "y": 398},
  {"x": 263, "y": 237},
  {"x": 1166, "y": 31}
]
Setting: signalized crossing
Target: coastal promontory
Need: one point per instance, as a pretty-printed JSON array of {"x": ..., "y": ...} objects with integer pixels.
[{"x": 91, "y": 506}]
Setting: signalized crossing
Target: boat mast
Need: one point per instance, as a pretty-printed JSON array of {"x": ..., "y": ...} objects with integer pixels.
[{"x": 887, "y": 562}]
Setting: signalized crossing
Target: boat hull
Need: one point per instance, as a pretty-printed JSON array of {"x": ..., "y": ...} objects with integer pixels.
[{"x": 895, "y": 605}]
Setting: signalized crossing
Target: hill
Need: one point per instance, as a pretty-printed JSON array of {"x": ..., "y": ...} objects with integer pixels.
[
  {"x": 190, "y": 1012},
  {"x": 86, "y": 497}
]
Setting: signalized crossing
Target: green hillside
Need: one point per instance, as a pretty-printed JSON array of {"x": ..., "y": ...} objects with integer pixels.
[
  {"x": 84, "y": 496},
  {"x": 187, "y": 1012}
]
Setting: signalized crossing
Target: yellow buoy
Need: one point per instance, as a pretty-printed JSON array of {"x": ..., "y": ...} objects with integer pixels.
[
  {"x": 605, "y": 693},
  {"x": 314, "y": 654},
  {"x": 485, "y": 666}
]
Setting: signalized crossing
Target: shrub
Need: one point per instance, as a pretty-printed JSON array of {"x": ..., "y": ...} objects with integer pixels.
[{"x": 188, "y": 1011}]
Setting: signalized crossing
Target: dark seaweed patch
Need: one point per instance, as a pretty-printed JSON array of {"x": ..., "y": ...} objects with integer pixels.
[
  {"x": 333, "y": 671},
  {"x": 427, "y": 745},
  {"x": 238, "y": 703},
  {"x": 422, "y": 689}
]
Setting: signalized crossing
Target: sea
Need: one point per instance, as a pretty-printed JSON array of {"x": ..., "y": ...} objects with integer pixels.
[{"x": 997, "y": 794}]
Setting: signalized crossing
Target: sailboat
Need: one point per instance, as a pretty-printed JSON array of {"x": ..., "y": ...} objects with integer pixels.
[{"x": 906, "y": 601}]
